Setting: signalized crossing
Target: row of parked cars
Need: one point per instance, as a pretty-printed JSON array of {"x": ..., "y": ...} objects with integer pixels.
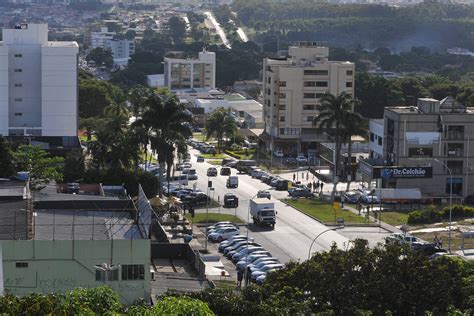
[
  {"x": 248, "y": 256},
  {"x": 362, "y": 196},
  {"x": 203, "y": 147}
]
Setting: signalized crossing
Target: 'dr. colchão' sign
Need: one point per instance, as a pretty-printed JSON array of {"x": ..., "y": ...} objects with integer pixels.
[{"x": 403, "y": 172}]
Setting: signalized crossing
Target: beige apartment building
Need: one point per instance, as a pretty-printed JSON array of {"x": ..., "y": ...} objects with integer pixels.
[
  {"x": 292, "y": 89},
  {"x": 421, "y": 145},
  {"x": 188, "y": 73}
]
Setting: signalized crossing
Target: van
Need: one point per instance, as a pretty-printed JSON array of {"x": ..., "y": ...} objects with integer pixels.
[
  {"x": 225, "y": 171},
  {"x": 244, "y": 165},
  {"x": 232, "y": 182},
  {"x": 181, "y": 179}
]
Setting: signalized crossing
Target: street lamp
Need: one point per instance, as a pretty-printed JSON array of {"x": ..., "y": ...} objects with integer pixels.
[
  {"x": 450, "y": 200},
  {"x": 314, "y": 240},
  {"x": 246, "y": 276}
]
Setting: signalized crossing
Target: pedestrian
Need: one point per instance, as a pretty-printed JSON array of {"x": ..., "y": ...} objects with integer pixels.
[
  {"x": 322, "y": 184},
  {"x": 294, "y": 177},
  {"x": 359, "y": 207},
  {"x": 440, "y": 243},
  {"x": 436, "y": 241},
  {"x": 342, "y": 201},
  {"x": 310, "y": 186},
  {"x": 317, "y": 186},
  {"x": 314, "y": 186},
  {"x": 307, "y": 176},
  {"x": 302, "y": 175},
  {"x": 247, "y": 276},
  {"x": 240, "y": 277}
]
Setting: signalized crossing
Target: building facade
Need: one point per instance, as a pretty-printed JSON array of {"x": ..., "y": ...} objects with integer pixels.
[
  {"x": 426, "y": 143},
  {"x": 121, "y": 49},
  {"x": 292, "y": 88},
  {"x": 38, "y": 83},
  {"x": 189, "y": 73}
]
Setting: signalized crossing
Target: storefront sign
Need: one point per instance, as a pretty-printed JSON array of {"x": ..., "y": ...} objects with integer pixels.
[{"x": 403, "y": 172}]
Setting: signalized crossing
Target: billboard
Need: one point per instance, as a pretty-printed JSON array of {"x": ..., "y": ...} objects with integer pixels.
[{"x": 403, "y": 172}]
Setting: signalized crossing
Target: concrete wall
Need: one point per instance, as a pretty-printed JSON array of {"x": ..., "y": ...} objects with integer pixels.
[
  {"x": 60, "y": 266},
  {"x": 4, "y": 93}
]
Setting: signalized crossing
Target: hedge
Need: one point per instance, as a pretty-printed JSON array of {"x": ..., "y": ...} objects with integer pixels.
[{"x": 432, "y": 215}]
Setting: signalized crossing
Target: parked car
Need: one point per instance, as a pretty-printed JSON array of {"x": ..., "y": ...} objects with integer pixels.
[
  {"x": 282, "y": 185},
  {"x": 197, "y": 198},
  {"x": 239, "y": 247},
  {"x": 192, "y": 174},
  {"x": 223, "y": 234},
  {"x": 231, "y": 200},
  {"x": 265, "y": 260},
  {"x": 250, "y": 259},
  {"x": 225, "y": 171},
  {"x": 220, "y": 224},
  {"x": 236, "y": 256},
  {"x": 231, "y": 242},
  {"x": 300, "y": 192},
  {"x": 301, "y": 159},
  {"x": 268, "y": 179},
  {"x": 256, "y": 172},
  {"x": 265, "y": 269},
  {"x": 352, "y": 196},
  {"x": 278, "y": 154},
  {"x": 225, "y": 161},
  {"x": 200, "y": 159},
  {"x": 274, "y": 181},
  {"x": 220, "y": 228},
  {"x": 212, "y": 172},
  {"x": 291, "y": 161},
  {"x": 264, "y": 194},
  {"x": 232, "y": 182},
  {"x": 370, "y": 199}
]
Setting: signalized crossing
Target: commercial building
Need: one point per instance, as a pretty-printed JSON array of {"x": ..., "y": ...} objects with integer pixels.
[
  {"x": 38, "y": 83},
  {"x": 292, "y": 88},
  {"x": 187, "y": 73},
  {"x": 421, "y": 146}
]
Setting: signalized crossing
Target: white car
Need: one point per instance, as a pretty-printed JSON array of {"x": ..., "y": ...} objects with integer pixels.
[
  {"x": 256, "y": 172},
  {"x": 370, "y": 199},
  {"x": 264, "y": 194},
  {"x": 278, "y": 154},
  {"x": 218, "y": 224},
  {"x": 223, "y": 234},
  {"x": 220, "y": 228},
  {"x": 265, "y": 269},
  {"x": 252, "y": 258}
]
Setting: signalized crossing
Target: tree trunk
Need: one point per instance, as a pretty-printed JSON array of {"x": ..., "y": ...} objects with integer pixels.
[{"x": 349, "y": 165}]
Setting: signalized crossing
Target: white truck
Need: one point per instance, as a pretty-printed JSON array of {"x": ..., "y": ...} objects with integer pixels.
[{"x": 263, "y": 211}]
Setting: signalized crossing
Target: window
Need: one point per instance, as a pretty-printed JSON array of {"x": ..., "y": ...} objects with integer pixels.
[
  {"x": 18, "y": 70},
  {"x": 21, "y": 264},
  {"x": 18, "y": 55},
  {"x": 314, "y": 72},
  {"x": 321, "y": 83},
  {"x": 18, "y": 85},
  {"x": 349, "y": 84},
  {"x": 309, "y": 95},
  {"x": 18, "y": 99},
  {"x": 319, "y": 95},
  {"x": 372, "y": 137},
  {"x": 349, "y": 72},
  {"x": 133, "y": 272},
  {"x": 269, "y": 79},
  {"x": 380, "y": 141},
  {"x": 309, "y": 83},
  {"x": 18, "y": 114},
  {"x": 455, "y": 132},
  {"x": 103, "y": 275},
  {"x": 282, "y": 118},
  {"x": 309, "y": 107},
  {"x": 289, "y": 131},
  {"x": 282, "y": 95},
  {"x": 309, "y": 118},
  {"x": 282, "y": 107},
  {"x": 282, "y": 83},
  {"x": 455, "y": 166}
]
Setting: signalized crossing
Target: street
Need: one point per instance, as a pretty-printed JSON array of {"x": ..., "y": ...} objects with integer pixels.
[{"x": 294, "y": 231}]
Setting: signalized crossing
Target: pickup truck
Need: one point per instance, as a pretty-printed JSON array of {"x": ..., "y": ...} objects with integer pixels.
[{"x": 263, "y": 212}]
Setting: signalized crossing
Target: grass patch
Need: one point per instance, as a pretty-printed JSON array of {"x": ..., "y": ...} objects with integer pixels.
[
  {"x": 215, "y": 162},
  {"x": 142, "y": 157},
  {"x": 244, "y": 154},
  {"x": 225, "y": 284},
  {"x": 394, "y": 218},
  {"x": 213, "y": 218},
  {"x": 456, "y": 238},
  {"x": 216, "y": 156},
  {"x": 324, "y": 211}
]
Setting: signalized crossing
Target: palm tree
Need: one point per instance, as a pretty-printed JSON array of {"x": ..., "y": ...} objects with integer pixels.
[
  {"x": 335, "y": 111},
  {"x": 137, "y": 98},
  {"x": 219, "y": 124},
  {"x": 167, "y": 122},
  {"x": 356, "y": 125}
]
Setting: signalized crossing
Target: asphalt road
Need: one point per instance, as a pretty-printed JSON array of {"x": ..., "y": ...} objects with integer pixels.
[{"x": 294, "y": 231}]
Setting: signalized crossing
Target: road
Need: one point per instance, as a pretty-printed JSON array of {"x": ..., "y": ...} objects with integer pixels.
[
  {"x": 294, "y": 231},
  {"x": 218, "y": 28}
]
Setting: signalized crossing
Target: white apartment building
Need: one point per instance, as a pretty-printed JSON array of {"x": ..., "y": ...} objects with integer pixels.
[
  {"x": 121, "y": 49},
  {"x": 292, "y": 89},
  {"x": 38, "y": 83},
  {"x": 190, "y": 73},
  {"x": 99, "y": 39}
]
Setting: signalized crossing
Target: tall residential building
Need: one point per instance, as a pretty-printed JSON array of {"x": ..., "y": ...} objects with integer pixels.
[
  {"x": 191, "y": 73},
  {"x": 99, "y": 39},
  {"x": 121, "y": 49},
  {"x": 292, "y": 88},
  {"x": 38, "y": 83}
]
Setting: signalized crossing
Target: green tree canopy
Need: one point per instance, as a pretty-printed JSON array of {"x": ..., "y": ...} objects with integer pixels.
[
  {"x": 7, "y": 167},
  {"x": 177, "y": 28},
  {"x": 220, "y": 124},
  {"x": 101, "y": 57}
]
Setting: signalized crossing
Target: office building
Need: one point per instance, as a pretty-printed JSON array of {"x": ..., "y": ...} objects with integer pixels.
[
  {"x": 421, "y": 146},
  {"x": 38, "y": 83},
  {"x": 292, "y": 88},
  {"x": 187, "y": 73}
]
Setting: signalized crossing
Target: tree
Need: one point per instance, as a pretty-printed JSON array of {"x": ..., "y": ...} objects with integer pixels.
[
  {"x": 101, "y": 57},
  {"x": 166, "y": 121},
  {"x": 42, "y": 168},
  {"x": 335, "y": 112},
  {"x": 182, "y": 306},
  {"x": 95, "y": 96},
  {"x": 220, "y": 124},
  {"x": 74, "y": 167},
  {"x": 355, "y": 125},
  {"x": 177, "y": 28},
  {"x": 130, "y": 35},
  {"x": 137, "y": 97},
  {"x": 7, "y": 168}
]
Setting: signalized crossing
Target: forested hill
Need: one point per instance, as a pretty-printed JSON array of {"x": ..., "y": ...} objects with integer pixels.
[{"x": 436, "y": 26}]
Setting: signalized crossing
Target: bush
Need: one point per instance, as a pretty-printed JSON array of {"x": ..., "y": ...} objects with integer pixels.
[{"x": 431, "y": 215}]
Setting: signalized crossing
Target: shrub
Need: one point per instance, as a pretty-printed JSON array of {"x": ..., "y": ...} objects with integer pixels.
[{"x": 431, "y": 215}]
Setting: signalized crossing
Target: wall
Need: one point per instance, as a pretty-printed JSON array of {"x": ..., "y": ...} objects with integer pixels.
[
  {"x": 59, "y": 266},
  {"x": 4, "y": 90}
]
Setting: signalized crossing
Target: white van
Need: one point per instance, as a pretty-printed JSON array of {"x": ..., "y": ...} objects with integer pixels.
[{"x": 181, "y": 179}]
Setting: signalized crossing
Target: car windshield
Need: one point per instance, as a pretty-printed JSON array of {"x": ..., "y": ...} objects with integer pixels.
[{"x": 267, "y": 213}]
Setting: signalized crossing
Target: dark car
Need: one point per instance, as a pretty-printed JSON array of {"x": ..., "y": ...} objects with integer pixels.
[
  {"x": 225, "y": 171},
  {"x": 200, "y": 159},
  {"x": 225, "y": 161},
  {"x": 231, "y": 200},
  {"x": 282, "y": 185},
  {"x": 426, "y": 249},
  {"x": 291, "y": 161},
  {"x": 196, "y": 198},
  {"x": 300, "y": 192}
]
